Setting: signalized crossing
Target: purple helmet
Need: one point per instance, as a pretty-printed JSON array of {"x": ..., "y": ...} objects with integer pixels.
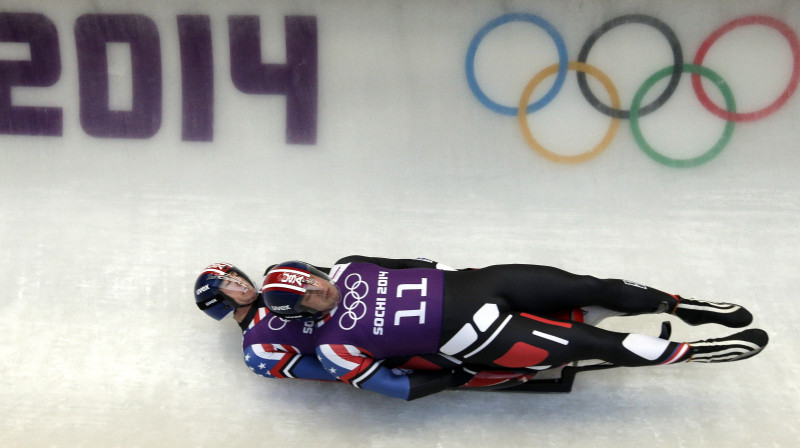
[{"x": 212, "y": 284}]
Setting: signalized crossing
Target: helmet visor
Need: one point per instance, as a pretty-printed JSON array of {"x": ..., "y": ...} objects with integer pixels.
[
  {"x": 234, "y": 287},
  {"x": 318, "y": 296},
  {"x": 234, "y": 284}
]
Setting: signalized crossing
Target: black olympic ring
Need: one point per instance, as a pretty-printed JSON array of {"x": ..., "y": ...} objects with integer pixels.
[{"x": 677, "y": 68}]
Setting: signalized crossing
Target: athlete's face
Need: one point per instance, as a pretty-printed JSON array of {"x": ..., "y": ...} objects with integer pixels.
[
  {"x": 321, "y": 295},
  {"x": 238, "y": 289}
]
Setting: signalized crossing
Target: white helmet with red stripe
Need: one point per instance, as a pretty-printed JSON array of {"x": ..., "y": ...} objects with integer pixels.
[{"x": 284, "y": 287}]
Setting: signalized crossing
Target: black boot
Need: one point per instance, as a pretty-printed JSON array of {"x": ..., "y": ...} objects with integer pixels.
[
  {"x": 697, "y": 312},
  {"x": 737, "y": 346}
]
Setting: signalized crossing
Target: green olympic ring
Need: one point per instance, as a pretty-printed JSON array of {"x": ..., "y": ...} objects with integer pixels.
[{"x": 730, "y": 105}]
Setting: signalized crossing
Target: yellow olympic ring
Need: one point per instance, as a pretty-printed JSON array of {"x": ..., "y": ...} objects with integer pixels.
[{"x": 526, "y": 130}]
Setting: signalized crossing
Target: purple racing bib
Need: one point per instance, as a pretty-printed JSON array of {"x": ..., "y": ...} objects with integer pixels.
[{"x": 385, "y": 312}]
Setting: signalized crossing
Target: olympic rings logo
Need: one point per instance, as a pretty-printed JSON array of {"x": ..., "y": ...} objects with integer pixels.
[
  {"x": 352, "y": 302},
  {"x": 637, "y": 110},
  {"x": 276, "y": 323}
]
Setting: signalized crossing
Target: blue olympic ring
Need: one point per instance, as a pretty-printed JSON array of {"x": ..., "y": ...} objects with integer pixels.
[{"x": 562, "y": 62}]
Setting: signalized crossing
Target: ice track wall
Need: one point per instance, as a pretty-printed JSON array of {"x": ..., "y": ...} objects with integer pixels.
[{"x": 141, "y": 141}]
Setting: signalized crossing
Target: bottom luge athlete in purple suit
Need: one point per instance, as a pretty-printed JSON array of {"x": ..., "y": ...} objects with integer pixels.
[{"x": 370, "y": 310}]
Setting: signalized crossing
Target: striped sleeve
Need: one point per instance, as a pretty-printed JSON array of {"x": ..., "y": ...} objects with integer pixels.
[
  {"x": 280, "y": 361},
  {"x": 355, "y": 367}
]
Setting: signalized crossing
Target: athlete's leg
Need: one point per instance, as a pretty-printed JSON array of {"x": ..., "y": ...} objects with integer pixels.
[
  {"x": 518, "y": 340},
  {"x": 544, "y": 289},
  {"x": 526, "y": 340}
]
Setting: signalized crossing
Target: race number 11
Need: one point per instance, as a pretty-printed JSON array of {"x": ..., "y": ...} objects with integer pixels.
[{"x": 420, "y": 313}]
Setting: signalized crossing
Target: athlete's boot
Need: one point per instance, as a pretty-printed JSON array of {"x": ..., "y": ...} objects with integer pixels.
[
  {"x": 696, "y": 312},
  {"x": 737, "y": 346}
]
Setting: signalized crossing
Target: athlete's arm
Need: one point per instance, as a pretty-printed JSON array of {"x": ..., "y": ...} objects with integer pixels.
[
  {"x": 395, "y": 263},
  {"x": 271, "y": 362},
  {"x": 354, "y": 367}
]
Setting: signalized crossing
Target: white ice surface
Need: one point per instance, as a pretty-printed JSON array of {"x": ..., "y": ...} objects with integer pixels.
[{"x": 101, "y": 240}]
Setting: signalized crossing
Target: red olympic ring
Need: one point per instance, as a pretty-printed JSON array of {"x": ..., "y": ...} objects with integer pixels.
[{"x": 779, "y": 26}]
